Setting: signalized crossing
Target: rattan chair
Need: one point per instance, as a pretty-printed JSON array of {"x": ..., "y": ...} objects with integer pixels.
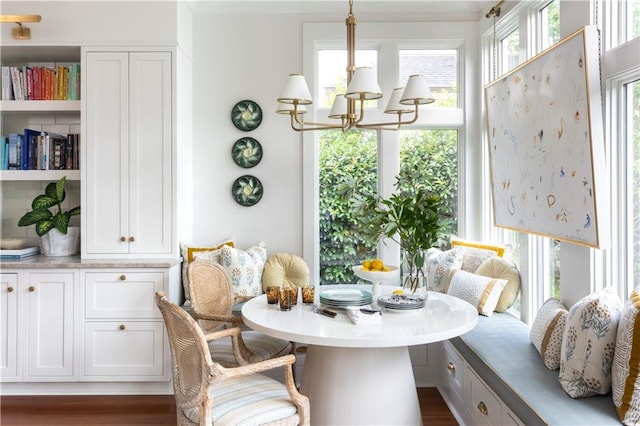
[
  {"x": 209, "y": 394},
  {"x": 212, "y": 305}
]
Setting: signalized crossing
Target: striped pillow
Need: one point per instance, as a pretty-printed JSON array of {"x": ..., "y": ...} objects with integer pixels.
[
  {"x": 625, "y": 371},
  {"x": 546, "y": 332},
  {"x": 481, "y": 292}
]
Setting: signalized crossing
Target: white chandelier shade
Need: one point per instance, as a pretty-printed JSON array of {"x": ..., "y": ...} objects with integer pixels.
[
  {"x": 364, "y": 85},
  {"x": 296, "y": 91}
]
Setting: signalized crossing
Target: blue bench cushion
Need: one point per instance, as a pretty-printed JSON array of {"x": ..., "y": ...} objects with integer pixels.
[{"x": 499, "y": 350}]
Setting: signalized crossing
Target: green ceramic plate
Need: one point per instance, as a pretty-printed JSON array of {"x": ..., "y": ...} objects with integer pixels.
[
  {"x": 246, "y": 152},
  {"x": 247, "y": 190},
  {"x": 246, "y": 115}
]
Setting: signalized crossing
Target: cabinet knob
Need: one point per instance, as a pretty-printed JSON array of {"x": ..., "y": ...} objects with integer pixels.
[
  {"x": 32, "y": 289},
  {"x": 122, "y": 327},
  {"x": 131, "y": 239},
  {"x": 9, "y": 289},
  {"x": 123, "y": 239},
  {"x": 451, "y": 367},
  {"x": 123, "y": 277},
  {"x": 483, "y": 408}
]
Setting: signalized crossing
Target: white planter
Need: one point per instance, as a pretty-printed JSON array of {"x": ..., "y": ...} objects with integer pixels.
[{"x": 54, "y": 243}]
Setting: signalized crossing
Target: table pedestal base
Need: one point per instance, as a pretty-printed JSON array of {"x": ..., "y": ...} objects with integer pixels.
[{"x": 360, "y": 386}]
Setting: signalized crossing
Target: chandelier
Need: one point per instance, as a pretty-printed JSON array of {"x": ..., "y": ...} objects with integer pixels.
[{"x": 362, "y": 85}]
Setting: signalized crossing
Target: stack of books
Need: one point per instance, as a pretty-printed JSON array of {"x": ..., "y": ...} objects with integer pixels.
[{"x": 19, "y": 253}]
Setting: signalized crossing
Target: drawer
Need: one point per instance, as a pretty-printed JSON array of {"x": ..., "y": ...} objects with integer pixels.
[
  {"x": 124, "y": 351},
  {"x": 482, "y": 404},
  {"x": 122, "y": 294},
  {"x": 453, "y": 370}
]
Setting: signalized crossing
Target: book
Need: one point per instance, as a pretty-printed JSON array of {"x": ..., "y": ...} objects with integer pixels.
[
  {"x": 14, "y": 148},
  {"x": 29, "y": 149},
  {"x": 19, "y": 253}
]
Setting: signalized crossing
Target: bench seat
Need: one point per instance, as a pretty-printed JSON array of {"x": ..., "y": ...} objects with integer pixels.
[{"x": 499, "y": 350}]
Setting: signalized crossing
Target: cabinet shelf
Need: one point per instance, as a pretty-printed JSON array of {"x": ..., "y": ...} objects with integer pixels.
[
  {"x": 36, "y": 106},
  {"x": 38, "y": 175}
]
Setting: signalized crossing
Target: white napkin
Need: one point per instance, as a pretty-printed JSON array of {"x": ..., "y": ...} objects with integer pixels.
[{"x": 360, "y": 318}]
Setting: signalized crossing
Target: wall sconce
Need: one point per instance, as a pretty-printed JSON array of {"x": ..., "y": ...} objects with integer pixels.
[{"x": 21, "y": 32}]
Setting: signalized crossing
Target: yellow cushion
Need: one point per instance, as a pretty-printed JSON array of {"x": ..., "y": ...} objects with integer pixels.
[
  {"x": 285, "y": 268},
  {"x": 498, "y": 267},
  {"x": 458, "y": 242}
]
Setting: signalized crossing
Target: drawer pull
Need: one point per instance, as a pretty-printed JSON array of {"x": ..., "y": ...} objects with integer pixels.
[
  {"x": 123, "y": 277},
  {"x": 483, "y": 408},
  {"x": 131, "y": 239},
  {"x": 9, "y": 289},
  {"x": 123, "y": 239},
  {"x": 32, "y": 289},
  {"x": 301, "y": 349},
  {"x": 122, "y": 327},
  {"x": 451, "y": 367}
]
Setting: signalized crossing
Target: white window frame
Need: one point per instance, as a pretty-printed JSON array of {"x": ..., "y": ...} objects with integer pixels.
[
  {"x": 433, "y": 35},
  {"x": 621, "y": 66}
]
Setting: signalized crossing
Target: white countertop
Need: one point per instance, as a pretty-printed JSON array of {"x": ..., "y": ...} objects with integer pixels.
[{"x": 442, "y": 317}]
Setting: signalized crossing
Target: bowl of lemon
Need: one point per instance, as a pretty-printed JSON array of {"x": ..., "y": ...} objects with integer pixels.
[{"x": 377, "y": 272}]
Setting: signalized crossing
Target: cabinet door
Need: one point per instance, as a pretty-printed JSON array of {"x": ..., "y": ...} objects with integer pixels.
[
  {"x": 124, "y": 294},
  {"x": 128, "y": 205},
  {"x": 150, "y": 157},
  {"x": 105, "y": 209},
  {"x": 50, "y": 325},
  {"x": 9, "y": 360},
  {"x": 124, "y": 351}
]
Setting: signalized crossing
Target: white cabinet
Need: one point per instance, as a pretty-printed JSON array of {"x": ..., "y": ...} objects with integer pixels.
[
  {"x": 38, "y": 326},
  {"x": 469, "y": 398},
  {"x": 124, "y": 338},
  {"x": 9, "y": 361},
  {"x": 128, "y": 173}
]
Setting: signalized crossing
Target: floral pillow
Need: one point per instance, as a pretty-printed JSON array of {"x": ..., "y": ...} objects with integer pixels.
[
  {"x": 588, "y": 344},
  {"x": 244, "y": 269},
  {"x": 439, "y": 264}
]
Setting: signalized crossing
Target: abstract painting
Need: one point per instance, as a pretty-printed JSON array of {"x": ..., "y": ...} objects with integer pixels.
[{"x": 546, "y": 144}]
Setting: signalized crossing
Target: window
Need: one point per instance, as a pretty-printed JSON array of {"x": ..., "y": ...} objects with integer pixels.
[
  {"x": 632, "y": 20},
  {"x": 430, "y": 155},
  {"x": 510, "y": 51},
  {"x": 550, "y": 24},
  {"x": 632, "y": 118}
]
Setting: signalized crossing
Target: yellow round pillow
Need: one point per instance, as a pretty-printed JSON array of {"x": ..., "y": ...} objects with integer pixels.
[
  {"x": 285, "y": 268},
  {"x": 499, "y": 267}
]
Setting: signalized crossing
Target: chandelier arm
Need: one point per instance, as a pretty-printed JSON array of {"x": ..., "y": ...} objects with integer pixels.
[
  {"x": 301, "y": 126},
  {"x": 397, "y": 124}
]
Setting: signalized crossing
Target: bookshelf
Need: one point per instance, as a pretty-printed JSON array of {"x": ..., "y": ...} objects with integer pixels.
[{"x": 56, "y": 116}]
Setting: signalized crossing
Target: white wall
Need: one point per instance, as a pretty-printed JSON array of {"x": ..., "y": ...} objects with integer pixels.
[{"x": 239, "y": 57}]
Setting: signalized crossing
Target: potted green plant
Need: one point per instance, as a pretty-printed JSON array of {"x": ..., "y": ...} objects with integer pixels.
[
  {"x": 410, "y": 217},
  {"x": 57, "y": 238}
]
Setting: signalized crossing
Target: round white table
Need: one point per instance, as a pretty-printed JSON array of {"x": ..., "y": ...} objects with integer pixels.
[{"x": 361, "y": 374}]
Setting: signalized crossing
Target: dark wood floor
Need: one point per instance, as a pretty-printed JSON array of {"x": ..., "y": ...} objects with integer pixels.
[{"x": 156, "y": 410}]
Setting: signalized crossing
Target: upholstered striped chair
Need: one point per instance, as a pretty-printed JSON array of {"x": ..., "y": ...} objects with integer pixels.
[
  {"x": 212, "y": 304},
  {"x": 209, "y": 394}
]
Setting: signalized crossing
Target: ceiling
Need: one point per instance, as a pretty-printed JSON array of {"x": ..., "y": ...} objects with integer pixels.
[{"x": 434, "y": 9}]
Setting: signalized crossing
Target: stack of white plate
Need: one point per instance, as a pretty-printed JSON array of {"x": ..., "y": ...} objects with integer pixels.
[
  {"x": 401, "y": 302},
  {"x": 340, "y": 298}
]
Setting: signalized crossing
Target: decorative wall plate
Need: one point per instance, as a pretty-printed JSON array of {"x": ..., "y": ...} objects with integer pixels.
[
  {"x": 247, "y": 190},
  {"x": 246, "y": 115},
  {"x": 246, "y": 152}
]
